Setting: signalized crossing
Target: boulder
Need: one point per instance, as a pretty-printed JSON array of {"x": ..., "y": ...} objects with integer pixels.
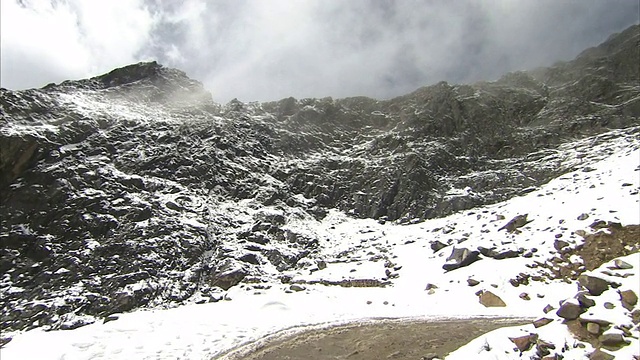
[
  {"x": 593, "y": 328},
  {"x": 460, "y": 257},
  {"x": 628, "y": 298},
  {"x": 569, "y": 310},
  {"x": 524, "y": 343},
  {"x": 613, "y": 340},
  {"x": 297, "y": 287},
  {"x": 601, "y": 355},
  {"x": 585, "y": 301},
  {"x": 472, "y": 282},
  {"x": 541, "y": 322},
  {"x": 498, "y": 254},
  {"x": 437, "y": 246},
  {"x": 596, "y": 286},
  {"x": 621, "y": 265},
  {"x": 515, "y": 223},
  {"x": 489, "y": 299}
]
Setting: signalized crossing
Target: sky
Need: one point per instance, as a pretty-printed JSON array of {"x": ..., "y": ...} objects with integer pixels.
[{"x": 257, "y": 50}]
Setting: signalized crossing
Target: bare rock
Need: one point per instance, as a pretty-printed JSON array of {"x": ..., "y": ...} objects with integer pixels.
[
  {"x": 460, "y": 257},
  {"x": 628, "y": 298},
  {"x": 585, "y": 301},
  {"x": 583, "y": 216},
  {"x": 489, "y": 299},
  {"x": 569, "y": 310},
  {"x": 593, "y": 328},
  {"x": 524, "y": 343},
  {"x": 437, "y": 246},
  {"x": 596, "y": 286},
  {"x": 297, "y": 287},
  {"x": 619, "y": 264},
  {"x": 560, "y": 244},
  {"x": 515, "y": 223},
  {"x": 601, "y": 355},
  {"x": 613, "y": 340},
  {"x": 472, "y": 282},
  {"x": 541, "y": 322}
]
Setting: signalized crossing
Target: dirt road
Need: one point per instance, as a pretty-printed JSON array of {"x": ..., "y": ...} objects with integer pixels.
[{"x": 381, "y": 339}]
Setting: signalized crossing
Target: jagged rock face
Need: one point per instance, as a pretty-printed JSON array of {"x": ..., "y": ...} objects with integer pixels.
[{"x": 113, "y": 188}]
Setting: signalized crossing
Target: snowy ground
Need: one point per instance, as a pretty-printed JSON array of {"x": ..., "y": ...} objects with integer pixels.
[{"x": 367, "y": 250}]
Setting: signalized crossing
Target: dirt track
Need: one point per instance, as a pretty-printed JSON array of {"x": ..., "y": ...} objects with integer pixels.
[{"x": 386, "y": 339}]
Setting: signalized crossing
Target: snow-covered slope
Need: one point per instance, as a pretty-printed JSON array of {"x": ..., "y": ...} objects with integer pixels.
[{"x": 364, "y": 269}]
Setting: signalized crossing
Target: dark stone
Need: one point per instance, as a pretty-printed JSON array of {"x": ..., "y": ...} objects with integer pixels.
[
  {"x": 437, "y": 246},
  {"x": 596, "y": 286},
  {"x": 460, "y": 257},
  {"x": 569, "y": 311}
]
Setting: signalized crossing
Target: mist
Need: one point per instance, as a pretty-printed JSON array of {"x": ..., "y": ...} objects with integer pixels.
[{"x": 266, "y": 50}]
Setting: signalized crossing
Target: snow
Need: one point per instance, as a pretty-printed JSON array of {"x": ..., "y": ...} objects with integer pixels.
[{"x": 366, "y": 250}]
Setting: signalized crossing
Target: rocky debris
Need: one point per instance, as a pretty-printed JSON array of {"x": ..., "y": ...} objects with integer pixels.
[
  {"x": 613, "y": 340},
  {"x": 584, "y": 300},
  {"x": 596, "y": 286},
  {"x": 628, "y": 298},
  {"x": 599, "y": 354},
  {"x": 499, "y": 254},
  {"x": 593, "y": 328},
  {"x": 583, "y": 216},
  {"x": 437, "y": 246},
  {"x": 489, "y": 299},
  {"x": 517, "y": 222},
  {"x": 541, "y": 322},
  {"x": 297, "y": 287},
  {"x": 524, "y": 343},
  {"x": 621, "y": 265},
  {"x": 570, "y": 310},
  {"x": 472, "y": 282},
  {"x": 460, "y": 257}
]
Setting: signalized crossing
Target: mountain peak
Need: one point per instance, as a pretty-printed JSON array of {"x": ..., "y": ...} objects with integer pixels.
[{"x": 132, "y": 73}]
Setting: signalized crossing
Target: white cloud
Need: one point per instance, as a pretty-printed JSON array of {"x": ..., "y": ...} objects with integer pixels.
[
  {"x": 46, "y": 41},
  {"x": 267, "y": 50}
]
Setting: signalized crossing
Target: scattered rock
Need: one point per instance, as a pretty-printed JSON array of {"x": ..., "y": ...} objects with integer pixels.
[
  {"x": 613, "y": 340},
  {"x": 547, "y": 309},
  {"x": 498, "y": 255},
  {"x": 583, "y": 216},
  {"x": 601, "y": 355},
  {"x": 628, "y": 298},
  {"x": 460, "y": 257},
  {"x": 569, "y": 310},
  {"x": 437, "y": 246},
  {"x": 515, "y": 223},
  {"x": 321, "y": 264},
  {"x": 489, "y": 299},
  {"x": 431, "y": 286},
  {"x": 596, "y": 286},
  {"x": 607, "y": 305},
  {"x": 541, "y": 322},
  {"x": 593, "y": 328},
  {"x": 297, "y": 287},
  {"x": 560, "y": 244},
  {"x": 584, "y": 301},
  {"x": 524, "y": 343},
  {"x": 524, "y": 296},
  {"x": 472, "y": 282},
  {"x": 619, "y": 264}
]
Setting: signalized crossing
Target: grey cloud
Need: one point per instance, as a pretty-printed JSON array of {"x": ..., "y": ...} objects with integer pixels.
[{"x": 267, "y": 50}]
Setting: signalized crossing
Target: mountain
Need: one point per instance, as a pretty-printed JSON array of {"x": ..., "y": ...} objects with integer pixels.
[{"x": 134, "y": 189}]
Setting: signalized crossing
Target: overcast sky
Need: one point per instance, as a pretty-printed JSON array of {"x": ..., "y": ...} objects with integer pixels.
[{"x": 270, "y": 49}]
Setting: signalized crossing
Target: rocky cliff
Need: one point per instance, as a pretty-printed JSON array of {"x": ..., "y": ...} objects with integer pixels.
[{"x": 122, "y": 191}]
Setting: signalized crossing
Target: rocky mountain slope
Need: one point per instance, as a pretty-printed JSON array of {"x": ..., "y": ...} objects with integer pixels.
[{"x": 130, "y": 189}]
